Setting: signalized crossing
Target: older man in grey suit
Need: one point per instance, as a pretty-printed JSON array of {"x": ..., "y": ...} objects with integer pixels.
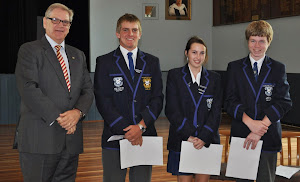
[{"x": 56, "y": 91}]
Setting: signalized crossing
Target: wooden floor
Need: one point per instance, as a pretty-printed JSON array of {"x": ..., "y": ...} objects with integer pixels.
[{"x": 90, "y": 164}]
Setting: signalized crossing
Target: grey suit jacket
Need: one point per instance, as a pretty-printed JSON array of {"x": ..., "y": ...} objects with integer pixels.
[{"x": 44, "y": 95}]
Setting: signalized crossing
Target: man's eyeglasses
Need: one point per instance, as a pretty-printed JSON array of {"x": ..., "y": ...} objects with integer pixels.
[{"x": 57, "y": 21}]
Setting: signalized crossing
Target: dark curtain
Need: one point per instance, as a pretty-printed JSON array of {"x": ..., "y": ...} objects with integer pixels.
[{"x": 19, "y": 25}]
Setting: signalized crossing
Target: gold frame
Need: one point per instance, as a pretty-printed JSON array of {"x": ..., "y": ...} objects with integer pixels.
[{"x": 188, "y": 5}]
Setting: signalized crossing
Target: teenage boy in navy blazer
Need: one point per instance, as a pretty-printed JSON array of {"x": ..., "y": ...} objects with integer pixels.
[
  {"x": 257, "y": 97},
  {"x": 128, "y": 91}
]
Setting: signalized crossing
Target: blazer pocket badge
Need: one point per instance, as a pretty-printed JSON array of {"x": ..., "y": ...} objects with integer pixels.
[
  {"x": 209, "y": 103},
  {"x": 268, "y": 91},
  {"x": 118, "y": 82},
  {"x": 147, "y": 83}
]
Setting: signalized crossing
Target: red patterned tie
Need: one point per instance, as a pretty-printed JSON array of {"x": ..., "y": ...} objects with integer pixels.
[{"x": 63, "y": 66}]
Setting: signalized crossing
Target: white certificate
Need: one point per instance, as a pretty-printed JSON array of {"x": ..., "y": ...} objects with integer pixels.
[
  {"x": 115, "y": 137},
  {"x": 150, "y": 153},
  {"x": 203, "y": 161},
  {"x": 243, "y": 163},
  {"x": 286, "y": 171}
]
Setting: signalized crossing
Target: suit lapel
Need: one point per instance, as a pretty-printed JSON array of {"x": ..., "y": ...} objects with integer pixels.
[
  {"x": 263, "y": 74},
  {"x": 72, "y": 59},
  {"x": 204, "y": 81},
  {"x": 249, "y": 74},
  {"x": 186, "y": 77},
  {"x": 264, "y": 70},
  {"x": 51, "y": 56},
  {"x": 139, "y": 67},
  {"x": 121, "y": 64}
]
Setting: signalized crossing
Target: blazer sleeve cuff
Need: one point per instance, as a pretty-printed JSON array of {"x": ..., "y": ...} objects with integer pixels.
[
  {"x": 273, "y": 113},
  {"x": 148, "y": 116},
  {"x": 206, "y": 135},
  {"x": 238, "y": 112},
  {"x": 118, "y": 125}
]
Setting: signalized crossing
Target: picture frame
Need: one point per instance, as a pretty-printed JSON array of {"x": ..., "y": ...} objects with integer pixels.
[
  {"x": 178, "y": 10},
  {"x": 150, "y": 11}
]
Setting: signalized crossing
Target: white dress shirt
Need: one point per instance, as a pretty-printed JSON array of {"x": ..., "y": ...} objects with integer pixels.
[
  {"x": 198, "y": 76},
  {"x": 134, "y": 55}
]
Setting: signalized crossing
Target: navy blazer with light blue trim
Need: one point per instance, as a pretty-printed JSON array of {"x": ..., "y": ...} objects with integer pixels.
[
  {"x": 189, "y": 116},
  {"x": 269, "y": 96},
  {"x": 122, "y": 101}
]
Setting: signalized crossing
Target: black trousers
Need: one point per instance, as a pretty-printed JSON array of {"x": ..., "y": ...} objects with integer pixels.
[{"x": 60, "y": 167}]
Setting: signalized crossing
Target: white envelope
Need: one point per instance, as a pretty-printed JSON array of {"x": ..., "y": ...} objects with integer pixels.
[
  {"x": 150, "y": 153},
  {"x": 243, "y": 163},
  {"x": 203, "y": 161}
]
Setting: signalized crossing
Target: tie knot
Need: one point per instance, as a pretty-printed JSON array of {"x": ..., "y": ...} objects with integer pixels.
[
  {"x": 129, "y": 53},
  {"x": 57, "y": 47},
  {"x": 255, "y": 64}
]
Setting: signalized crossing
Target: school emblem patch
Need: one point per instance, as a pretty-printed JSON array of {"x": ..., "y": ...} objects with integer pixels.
[
  {"x": 268, "y": 90},
  {"x": 209, "y": 103},
  {"x": 118, "y": 82},
  {"x": 147, "y": 83}
]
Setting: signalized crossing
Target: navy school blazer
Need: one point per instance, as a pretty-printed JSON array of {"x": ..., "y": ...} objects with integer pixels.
[
  {"x": 269, "y": 96},
  {"x": 122, "y": 101},
  {"x": 189, "y": 116}
]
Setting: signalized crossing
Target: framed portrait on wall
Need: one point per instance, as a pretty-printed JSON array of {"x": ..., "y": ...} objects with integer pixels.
[
  {"x": 150, "y": 11},
  {"x": 178, "y": 9}
]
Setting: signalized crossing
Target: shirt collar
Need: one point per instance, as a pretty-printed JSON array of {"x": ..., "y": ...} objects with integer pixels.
[
  {"x": 198, "y": 76},
  {"x": 259, "y": 62},
  {"x": 125, "y": 52}
]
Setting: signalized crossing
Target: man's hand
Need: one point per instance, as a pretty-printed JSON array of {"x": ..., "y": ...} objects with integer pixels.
[
  {"x": 252, "y": 139},
  {"x": 69, "y": 119},
  {"x": 133, "y": 132},
  {"x": 138, "y": 141},
  {"x": 255, "y": 126},
  {"x": 197, "y": 142},
  {"x": 72, "y": 130}
]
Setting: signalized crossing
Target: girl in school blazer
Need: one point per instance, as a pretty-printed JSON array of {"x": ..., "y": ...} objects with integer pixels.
[{"x": 193, "y": 106}]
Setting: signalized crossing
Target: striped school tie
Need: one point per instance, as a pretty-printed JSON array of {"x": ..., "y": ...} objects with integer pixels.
[{"x": 63, "y": 66}]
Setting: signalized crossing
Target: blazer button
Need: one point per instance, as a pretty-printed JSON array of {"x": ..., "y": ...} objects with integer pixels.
[
  {"x": 135, "y": 116},
  {"x": 134, "y": 101}
]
